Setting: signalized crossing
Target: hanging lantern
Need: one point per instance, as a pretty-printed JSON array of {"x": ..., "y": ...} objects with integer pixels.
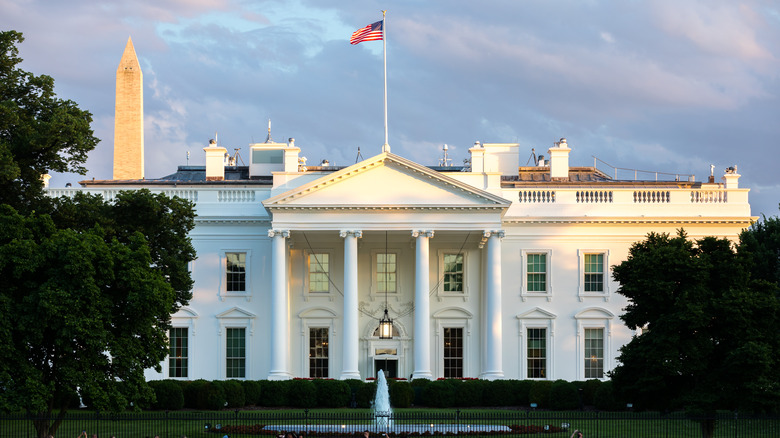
[{"x": 386, "y": 327}]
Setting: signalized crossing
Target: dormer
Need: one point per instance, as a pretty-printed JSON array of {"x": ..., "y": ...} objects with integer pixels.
[{"x": 270, "y": 157}]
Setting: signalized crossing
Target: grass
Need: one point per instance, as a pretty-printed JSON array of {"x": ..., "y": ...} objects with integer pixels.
[{"x": 192, "y": 424}]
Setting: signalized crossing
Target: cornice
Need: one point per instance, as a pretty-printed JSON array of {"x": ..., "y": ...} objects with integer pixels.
[
  {"x": 385, "y": 207},
  {"x": 745, "y": 221}
]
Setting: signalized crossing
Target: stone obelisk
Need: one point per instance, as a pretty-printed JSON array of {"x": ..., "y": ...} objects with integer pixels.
[{"x": 129, "y": 117}]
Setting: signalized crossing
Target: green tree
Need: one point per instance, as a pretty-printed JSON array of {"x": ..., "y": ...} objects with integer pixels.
[
  {"x": 88, "y": 307},
  {"x": 87, "y": 286},
  {"x": 39, "y": 133},
  {"x": 760, "y": 244},
  {"x": 709, "y": 339}
]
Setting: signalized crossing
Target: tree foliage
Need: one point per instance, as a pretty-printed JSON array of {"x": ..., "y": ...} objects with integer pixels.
[
  {"x": 709, "y": 336},
  {"x": 87, "y": 286},
  {"x": 39, "y": 133}
]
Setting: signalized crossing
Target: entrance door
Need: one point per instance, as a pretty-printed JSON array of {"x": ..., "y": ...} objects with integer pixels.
[{"x": 388, "y": 365}]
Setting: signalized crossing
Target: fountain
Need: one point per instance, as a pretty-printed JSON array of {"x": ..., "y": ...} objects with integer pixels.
[{"x": 381, "y": 406}]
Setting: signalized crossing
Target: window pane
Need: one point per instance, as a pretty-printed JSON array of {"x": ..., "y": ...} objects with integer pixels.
[
  {"x": 537, "y": 273},
  {"x": 235, "y": 354},
  {"x": 594, "y": 273},
  {"x": 453, "y": 273},
  {"x": 386, "y": 272},
  {"x": 453, "y": 353},
  {"x": 178, "y": 352},
  {"x": 594, "y": 353},
  {"x": 235, "y": 271},
  {"x": 537, "y": 353},
  {"x": 318, "y": 352},
  {"x": 319, "y": 267}
]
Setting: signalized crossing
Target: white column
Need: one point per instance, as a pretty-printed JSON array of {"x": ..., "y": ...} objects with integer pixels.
[
  {"x": 351, "y": 338},
  {"x": 280, "y": 326},
  {"x": 493, "y": 364},
  {"x": 422, "y": 307}
]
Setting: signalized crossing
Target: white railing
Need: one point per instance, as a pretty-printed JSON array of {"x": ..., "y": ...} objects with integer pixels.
[
  {"x": 651, "y": 196},
  {"x": 537, "y": 196},
  {"x": 709, "y": 197},
  {"x": 593, "y": 196},
  {"x": 236, "y": 195}
]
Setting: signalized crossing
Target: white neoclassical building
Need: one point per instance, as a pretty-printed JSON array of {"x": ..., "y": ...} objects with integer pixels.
[{"x": 492, "y": 270}]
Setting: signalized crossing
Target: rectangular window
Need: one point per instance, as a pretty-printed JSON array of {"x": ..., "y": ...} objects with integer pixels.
[
  {"x": 268, "y": 157},
  {"x": 235, "y": 354},
  {"x": 386, "y": 269},
  {"x": 594, "y": 273},
  {"x": 453, "y": 353},
  {"x": 178, "y": 353},
  {"x": 235, "y": 271},
  {"x": 453, "y": 273},
  {"x": 537, "y": 353},
  {"x": 318, "y": 352},
  {"x": 319, "y": 268},
  {"x": 594, "y": 353},
  {"x": 536, "y": 269}
]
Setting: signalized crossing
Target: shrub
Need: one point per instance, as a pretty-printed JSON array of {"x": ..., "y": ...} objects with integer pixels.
[
  {"x": 522, "y": 390},
  {"x": 274, "y": 393},
  {"x": 589, "y": 389},
  {"x": 202, "y": 394},
  {"x": 605, "y": 398},
  {"x": 168, "y": 395},
  {"x": 500, "y": 393},
  {"x": 401, "y": 394},
  {"x": 540, "y": 393},
  {"x": 354, "y": 387},
  {"x": 333, "y": 393},
  {"x": 302, "y": 393},
  {"x": 418, "y": 386},
  {"x": 563, "y": 396},
  {"x": 365, "y": 395},
  {"x": 234, "y": 394},
  {"x": 251, "y": 392},
  {"x": 439, "y": 394}
]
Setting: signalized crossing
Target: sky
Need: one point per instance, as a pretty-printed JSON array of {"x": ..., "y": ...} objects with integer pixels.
[{"x": 666, "y": 85}]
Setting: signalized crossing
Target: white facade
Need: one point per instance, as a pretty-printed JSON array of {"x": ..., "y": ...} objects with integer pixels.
[{"x": 494, "y": 271}]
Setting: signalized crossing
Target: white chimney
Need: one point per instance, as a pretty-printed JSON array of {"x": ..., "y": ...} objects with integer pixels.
[
  {"x": 215, "y": 161},
  {"x": 559, "y": 161},
  {"x": 731, "y": 178}
]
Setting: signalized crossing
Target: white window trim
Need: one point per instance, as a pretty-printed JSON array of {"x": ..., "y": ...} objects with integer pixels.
[
  {"x": 524, "y": 293},
  {"x": 306, "y": 291},
  {"x": 594, "y": 317},
  {"x": 317, "y": 318},
  {"x": 236, "y": 318},
  {"x": 581, "y": 294},
  {"x": 440, "y": 279},
  {"x": 184, "y": 318},
  {"x": 536, "y": 318},
  {"x": 223, "y": 292},
  {"x": 452, "y": 317},
  {"x": 375, "y": 275}
]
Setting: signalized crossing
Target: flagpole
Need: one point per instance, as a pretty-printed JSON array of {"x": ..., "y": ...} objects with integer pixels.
[{"x": 386, "y": 147}]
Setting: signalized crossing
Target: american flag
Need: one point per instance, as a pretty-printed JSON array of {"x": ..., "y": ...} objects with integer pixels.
[{"x": 372, "y": 32}]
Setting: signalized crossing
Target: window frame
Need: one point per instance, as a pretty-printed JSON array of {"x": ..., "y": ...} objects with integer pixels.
[
  {"x": 606, "y": 292},
  {"x": 524, "y": 292},
  {"x": 375, "y": 276},
  {"x": 533, "y": 319},
  {"x": 185, "y": 358},
  {"x": 223, "y": 287},
  {"x": 462, "y": 348},
  {"x": 227, "y": 358},
  {"x": 452, "y": 317},
  {"x": 595, "y": 318},
  {"x": 307, "y": 272},
  {"x": 327, "y": 358},
  {"x": 236, "y": 318},
  {"x": 441, "y": 254},
  {"x": 317, "y": 317}
]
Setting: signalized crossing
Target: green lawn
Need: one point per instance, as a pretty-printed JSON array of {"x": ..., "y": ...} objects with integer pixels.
[{"x": 339, "y": 422}]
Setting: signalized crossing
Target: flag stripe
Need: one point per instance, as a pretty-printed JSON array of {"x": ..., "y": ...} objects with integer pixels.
[{"x": 372, "y": 32}]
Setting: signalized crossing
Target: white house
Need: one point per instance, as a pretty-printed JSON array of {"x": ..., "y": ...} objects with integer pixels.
[{"x": 492, "y": 270}]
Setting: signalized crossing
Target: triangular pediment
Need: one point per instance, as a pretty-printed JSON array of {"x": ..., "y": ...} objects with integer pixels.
[
  {"x": 386, "y": 181},
  {"x": 537, "y": 313}
]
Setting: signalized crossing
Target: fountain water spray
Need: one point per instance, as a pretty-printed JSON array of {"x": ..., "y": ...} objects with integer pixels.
[{"x": 381, "y": 406}]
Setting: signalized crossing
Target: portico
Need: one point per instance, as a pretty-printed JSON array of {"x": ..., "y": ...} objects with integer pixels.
[{"x": 465, "y": 220}]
